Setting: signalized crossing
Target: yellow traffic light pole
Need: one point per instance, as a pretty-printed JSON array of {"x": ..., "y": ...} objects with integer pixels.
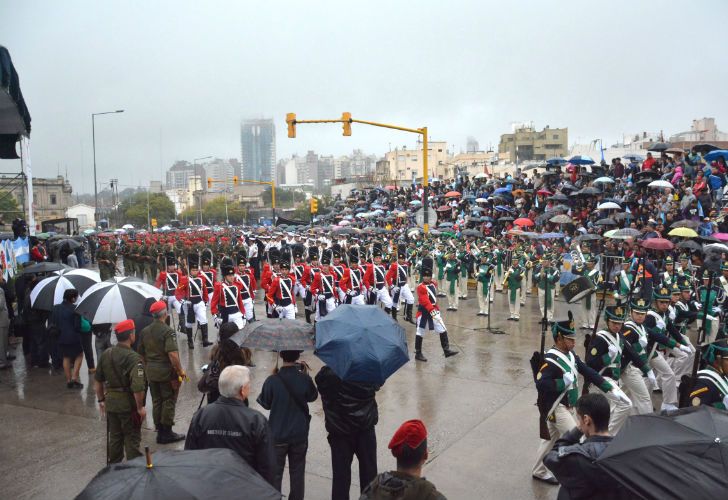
[{"x": 347, "y": 120}]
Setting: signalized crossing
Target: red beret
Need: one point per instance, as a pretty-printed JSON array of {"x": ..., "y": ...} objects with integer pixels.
[
  {"x": 124, "y": 326},
  {"x": 158, "y": 306},
  {"x": 412, "y": 433}
]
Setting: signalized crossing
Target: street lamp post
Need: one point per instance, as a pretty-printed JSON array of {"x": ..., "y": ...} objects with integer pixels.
[
  {"x": 93, "y": 139},
  {"x": 199, "y": 199}
]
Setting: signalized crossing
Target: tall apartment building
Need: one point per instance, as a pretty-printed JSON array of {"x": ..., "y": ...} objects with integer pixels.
[
  {"x": 407, "y": 163},
  {"x": 178, "y": 176},
  {"x": 527, "y": 143},
  {"x": 258, "y": 149}
]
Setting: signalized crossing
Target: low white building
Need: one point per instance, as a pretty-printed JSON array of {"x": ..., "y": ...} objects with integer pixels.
[{"x": 85, "y": 215}]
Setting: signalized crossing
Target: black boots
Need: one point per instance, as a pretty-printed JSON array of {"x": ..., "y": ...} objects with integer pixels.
[
  {"x": 308, "y": 316},
  {"x": 166, "y": 435},
  {"x": 446, "y": 345},
  {"x": 418, "y": 349},
  {"x": 205, "y": 341},
  {"x": 188, "y": 331},
  {"x": 394, "y": 313},
  {"x": 181, "y": 327},
  {"x": 408, "y": 313},
  {"x": 387, "y": 310}
]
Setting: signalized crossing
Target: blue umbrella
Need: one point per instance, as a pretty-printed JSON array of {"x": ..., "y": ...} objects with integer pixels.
[
  {"x": 634, "y": 156},
  {"x": 361, "y": 343},
  {"x": 581, "y": 160},
  {"x": 548, "y": 236},
  {"x": 503, "y": 208},
  {"x": 503, "y": 190},
  {"x": 477, "y": 209},
  {"x": 714, "y": 155},
  {"x": 556, "y": 161}
]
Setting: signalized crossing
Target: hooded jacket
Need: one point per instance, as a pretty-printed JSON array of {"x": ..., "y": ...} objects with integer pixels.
[
  {"x": 400, "y": 486},
  {"x": 349, "y": 407}
]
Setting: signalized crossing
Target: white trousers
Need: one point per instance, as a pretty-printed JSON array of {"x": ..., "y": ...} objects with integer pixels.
[
  {"x": 463, "y": 287},
  {"x": 635, "y": 386},
  {"x": 564, "y": 421},
  {"x": 424, "y": 325},
  {"x": 299, "y": 289},
  {"x": 359, "y": 300},
  {"x": 542, "y": 303},
  {"x": 452, "y": 298},
  {"x": 200, "y": 311},
  {"x": 248, "y": 305},
  {"x": 405, "y": 295},
  {"x": 681, "y": 364},
  {"x": 288, "y": 312},
  {"x": 238, "y": 319},
  {"x": 483, "y": 302},
  {"x": 330, "y": 306},
  {"x": 665, "y": 379},
  {"x": 619, "y": 411},
  {"x": 383, "y": 297},
  {"x": 172, "y": 301}
]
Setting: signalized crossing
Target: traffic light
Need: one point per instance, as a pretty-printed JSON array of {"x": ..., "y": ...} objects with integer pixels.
[
  {"x": 291, "y": 121},
  {"x": 209, "y": 182},
  {"x": 314, "y": 205},
  {"x": 235, "y": 180},
  {"x": 346, "y": 118}
]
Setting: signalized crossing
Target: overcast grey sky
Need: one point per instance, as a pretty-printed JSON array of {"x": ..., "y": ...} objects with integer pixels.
[{"x": 187, "y": 72}]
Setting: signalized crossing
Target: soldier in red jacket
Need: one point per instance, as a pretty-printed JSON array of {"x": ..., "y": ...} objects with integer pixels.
[
  {"x": 352, "y": 284},
  {"x": 246, "y": 277},
  {"x": 338, "y": 269},
  {"x": 309, "y": 276},
  {"x": 299, "y": 269},
  {"x": 266, "y": 278},
  {"x": 192, "y": 293},
  {"x": 209, "y": 274},
  {"x": 428, "y": 313},
  {"x": 280, "y": 294},
  {"x": 323, "y": 288},
  {"x": 398, "y": 280},
  {"x": 227, "y": 299},
  {"x": 375, "y": 280},
  {"x": 168, "y": 281}
]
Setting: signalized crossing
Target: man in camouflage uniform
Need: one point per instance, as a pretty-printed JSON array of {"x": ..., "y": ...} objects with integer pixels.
[
  {"x": 158, "y": 348},
  {"x": 106, "y": 258},
  {"x": 120, "y": 389}
]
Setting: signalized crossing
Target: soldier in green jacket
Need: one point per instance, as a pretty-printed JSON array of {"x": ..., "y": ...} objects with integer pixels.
[
  {"x": 484, "y": 276},
  {"x": 120, "y": 389},
  {"x": 158, "y": 348},
  {"x": 513, "y": 279},
  {"x": 106, "y": 259},
  {"x": 545, "y": 276},
  {"x": 452, "y": 274}
]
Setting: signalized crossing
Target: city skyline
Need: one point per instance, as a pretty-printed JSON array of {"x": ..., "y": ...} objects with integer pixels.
[{"x": 187, "y": 80}]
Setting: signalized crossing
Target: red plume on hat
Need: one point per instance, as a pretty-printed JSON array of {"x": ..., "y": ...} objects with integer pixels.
[{"x": 411, "y": 433}]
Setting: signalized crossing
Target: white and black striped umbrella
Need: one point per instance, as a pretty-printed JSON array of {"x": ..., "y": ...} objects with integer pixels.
[
  {"x": 49, "y": 291},
  {"x": 115, "y": 300}
]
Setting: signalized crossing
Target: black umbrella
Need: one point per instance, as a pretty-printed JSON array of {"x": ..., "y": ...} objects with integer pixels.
[
  {"x": 568, "y": 187},
  {"x": 472, "y": 232},
  {"x": 704, "y": 148},
  {"x": 606, "y": 222},
  {"x": 683, "y": 455},
  {"x": 44, "y": 267},
  {"x": 558, "y": 197},
  {"x": 660, "y": 146},
  {"x": 215, "y": 473},
  {"x": 276, "y": 335},
  {"x": 588, "y": 237},
  {"x": 692, "y": 224},
  {"x": 71, "y": 244},
  {"x": 506, "y": 219},
  {"x": 49, "y": 291},
  {"x": 648, "y": 174},
  {"x": 588, "y": 191}
]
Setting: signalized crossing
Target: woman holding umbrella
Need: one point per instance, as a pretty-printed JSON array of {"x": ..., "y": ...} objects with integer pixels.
[{"x": 67, "y": 324}]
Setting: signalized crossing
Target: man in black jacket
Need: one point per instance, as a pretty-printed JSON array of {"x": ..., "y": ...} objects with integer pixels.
[
  {"x": 350, "y": 412},
  {"x": 572, "y": 462},
  {"x": 228, "y": 423}
]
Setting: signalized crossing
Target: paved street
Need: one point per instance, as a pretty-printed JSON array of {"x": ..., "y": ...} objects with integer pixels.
[{"x": 478, "y": 407}]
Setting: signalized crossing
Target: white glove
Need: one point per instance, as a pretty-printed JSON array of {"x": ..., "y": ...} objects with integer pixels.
[
  {"x": 684, "y": 348},
  {"x": 435, "y": 314},
  {"x": 568, "y": 379},
  {"x": 652, "y": 379},
  {"x": 395, "y": 289},
  {"x": 672, "y": 315},
  {"x": 295, "y": 309},
  {"x": 279, "y": 310},
  {"x": 643, "y": 342},
  {"x": 698, "y": 305},
  {"x": 619, "y": 394},
  {"x": 217, "y": 320},
  {"x": 711, "y": 318},
  {"x": 613, "y": 351},
  {"x": 725, "y": 401},
  {"x": 660, "y": 323},
  {"x": 717, "y": 310},
  {"x": 322, "y": 297}
]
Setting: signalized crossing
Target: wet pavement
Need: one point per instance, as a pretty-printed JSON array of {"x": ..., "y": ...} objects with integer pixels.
[{"x": 478, "y": 407}]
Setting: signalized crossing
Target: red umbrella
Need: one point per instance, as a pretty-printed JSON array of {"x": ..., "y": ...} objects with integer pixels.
[
  {"x": 452, "y": 194},
  {"x": 443, "y": 208},
  {"x": 390, "y": 188},
  {"x": 658, "y": 244},
  {"x": 523, "y": 221},
  {"x": 544, "y": 192}
]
